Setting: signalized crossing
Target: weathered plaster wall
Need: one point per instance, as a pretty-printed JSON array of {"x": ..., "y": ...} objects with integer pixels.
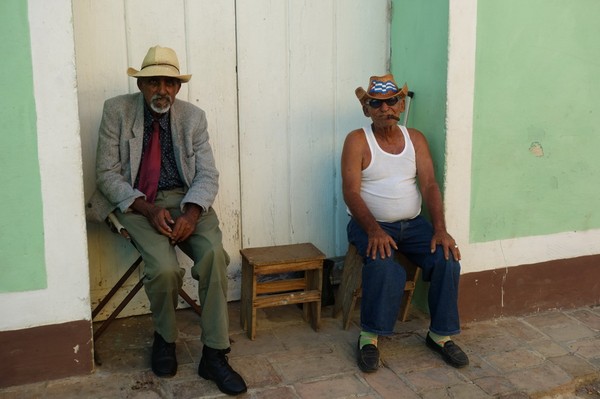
[
  {"x": 535, "y": 119},
  {"x": 514, "y": 81},
  {"x": 54, "y": 129},
  {"x": 21, "y": 231}
]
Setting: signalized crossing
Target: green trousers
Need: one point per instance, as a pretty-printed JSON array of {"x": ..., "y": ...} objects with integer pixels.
[{"x": 163, "y": 277}]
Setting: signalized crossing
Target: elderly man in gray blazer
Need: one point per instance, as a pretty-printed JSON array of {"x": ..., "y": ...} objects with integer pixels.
[{"x": 155, "y": 169}]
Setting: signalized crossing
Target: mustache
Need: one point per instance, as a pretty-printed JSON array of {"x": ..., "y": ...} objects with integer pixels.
[{"x": 159, "y": 97}]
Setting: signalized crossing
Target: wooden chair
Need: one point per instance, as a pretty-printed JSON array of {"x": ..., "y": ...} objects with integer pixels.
[
  {"x": 350, "y": 289},
  {"x": 117, "y": 227}
]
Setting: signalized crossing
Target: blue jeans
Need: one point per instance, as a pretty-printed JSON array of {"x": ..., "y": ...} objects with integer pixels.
[{"x": 383, "y": 280}]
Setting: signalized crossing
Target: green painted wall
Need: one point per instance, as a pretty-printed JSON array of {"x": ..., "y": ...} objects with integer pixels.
[
  {"x": 536, "y": 120},
  {"x": 419, "y": 46},
  {"x": 21, "y": 231}
]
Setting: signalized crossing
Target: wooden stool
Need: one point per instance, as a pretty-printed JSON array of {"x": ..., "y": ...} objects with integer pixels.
[
  {"x": 350, "y": 289},
  {"x": 280, "y": 259}
]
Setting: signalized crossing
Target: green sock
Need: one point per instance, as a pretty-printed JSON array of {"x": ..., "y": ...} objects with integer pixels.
[
  {"x": 439, "y": 339},
  {"x": 367, "y": 338}
]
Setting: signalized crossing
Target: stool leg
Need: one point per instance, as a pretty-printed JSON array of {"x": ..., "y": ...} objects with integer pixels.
[
  {"x": 244, "y": 294},
  {"x": 314, "y": 282},
  {"x": 251, "y": 310}
]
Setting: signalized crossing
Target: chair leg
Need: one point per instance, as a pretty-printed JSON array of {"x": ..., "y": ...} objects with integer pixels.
[
  {"x": 349, "y": 307},
  {"x": 118, "y": 309},
  {"x": 116, "y": 287},
  {"x": 193, "y": 304}
]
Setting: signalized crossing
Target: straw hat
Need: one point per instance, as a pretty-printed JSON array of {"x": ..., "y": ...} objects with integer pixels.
[
  {"x": 159, "y": 61},
  {"x": 381, "y": 88}
]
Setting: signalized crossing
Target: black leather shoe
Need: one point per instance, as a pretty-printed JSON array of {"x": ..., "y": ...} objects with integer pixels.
[
  {"x": 451, "y": 353},
  {"x": 214, "y": 366},
  {"x": 164, "y": 361},
  {"x": 367, "y": 357}
]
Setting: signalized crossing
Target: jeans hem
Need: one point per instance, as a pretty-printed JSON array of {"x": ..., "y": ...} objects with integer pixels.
[{"x": 440, "y": 332}]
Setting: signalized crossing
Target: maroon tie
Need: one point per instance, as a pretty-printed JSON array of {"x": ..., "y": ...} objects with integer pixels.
[{"x": 150, "y": 167}]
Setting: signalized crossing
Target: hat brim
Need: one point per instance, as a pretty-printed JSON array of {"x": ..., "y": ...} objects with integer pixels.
[
  {"x": 158, "y": 70},
  {"x": 363, "y": 95}
]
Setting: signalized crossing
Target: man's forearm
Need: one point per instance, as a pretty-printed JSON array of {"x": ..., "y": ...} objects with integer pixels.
[
  {"x": 143, "y": 207},
  {"x": 433, "y": 201},
  {"x": 362, "y": 214}
]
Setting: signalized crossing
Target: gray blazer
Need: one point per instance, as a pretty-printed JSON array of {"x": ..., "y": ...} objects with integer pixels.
[{"x": 120, "y": 145}]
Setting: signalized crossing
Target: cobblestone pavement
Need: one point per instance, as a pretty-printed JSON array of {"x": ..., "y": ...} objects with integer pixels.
[{"x": 553, "y": 354}]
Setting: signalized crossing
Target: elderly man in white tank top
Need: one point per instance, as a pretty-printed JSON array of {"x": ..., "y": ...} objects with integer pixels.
[{"x": 381, "y": 165}]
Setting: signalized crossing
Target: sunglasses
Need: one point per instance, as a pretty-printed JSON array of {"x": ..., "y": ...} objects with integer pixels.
[{"x": 378, "y": 103}]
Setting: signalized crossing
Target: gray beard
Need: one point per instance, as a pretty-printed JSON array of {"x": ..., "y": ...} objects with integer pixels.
[
  {"x": 160, "y": 110},
  {"x": 157, "y": 109}
]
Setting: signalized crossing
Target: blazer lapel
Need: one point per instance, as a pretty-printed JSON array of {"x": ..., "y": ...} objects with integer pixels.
[
  {"x": 179, "y": 146},
  {"x": 136, "y": 143}
]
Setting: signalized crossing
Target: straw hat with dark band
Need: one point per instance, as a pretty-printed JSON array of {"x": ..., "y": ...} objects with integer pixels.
[
  {"x": 381, "y": 88},
  {"x": 159, "y": 61}
]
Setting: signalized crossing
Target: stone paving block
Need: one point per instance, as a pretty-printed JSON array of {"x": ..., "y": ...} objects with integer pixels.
[
  {"x": 548, "y": 348},
  {"x": 400, "y": 344},
  {"x": 482, "y": 329},
  {"x": 586, "y": 348},
  {"x": 389, "y": 385},
  {"x": 35, "y": 390},
  {"x": 303, "y": 340},
  {"x": 279, "y": 315},
  {"x": 266, "y": 342},
  {"x": 573, "y": 365},
  {"x": 569, "y": 332},
  {"x": 188, "y": 324},
  {"x": 437, "y": 393},
  {"x": 285, "y": 392},
  {"x": 294, "y": 368},
  {"x": 129, "y": 332},
  {"x": 467, "y": 391},
  {"x": 485, "y": 344},
  {"x": 514, "y": 360},
  {"x": 434, "y": 378},
  {"x": 477, "y": 368},
  {"x": 109, "y": 386},
  {"x": 539, "y": 379},
  {"x": 518, "y": 329},
  {"x": 413, "y": 360},
  {"x": 192, "y": 388},
  {"x": 548, "y": 319},
  {"x": 515, "y": 395},
  {"x": 125, "y": 360},
  {"x": 495, "y": 385},
  {"x": 194, "y": 349},
  {"x": 257, "y": 371},
  {"x": 339, "y": 387},
  {"x": 587, "y": 317}
]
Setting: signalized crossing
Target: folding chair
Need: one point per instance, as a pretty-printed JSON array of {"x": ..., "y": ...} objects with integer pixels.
[{"x": 117, "y": 227}]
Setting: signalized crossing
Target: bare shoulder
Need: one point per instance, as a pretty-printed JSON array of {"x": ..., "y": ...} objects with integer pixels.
[
  {"x": 356, "y": 138},
  {"x": 418, "y": 138},
  {"x": 355, "y": 134}
]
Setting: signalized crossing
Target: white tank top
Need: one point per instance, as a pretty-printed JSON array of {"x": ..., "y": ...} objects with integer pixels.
[{"x": 389, "y": 183}]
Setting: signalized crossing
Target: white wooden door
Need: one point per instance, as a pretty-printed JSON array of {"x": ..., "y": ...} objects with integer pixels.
[{"x": 276, "y": 79}]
